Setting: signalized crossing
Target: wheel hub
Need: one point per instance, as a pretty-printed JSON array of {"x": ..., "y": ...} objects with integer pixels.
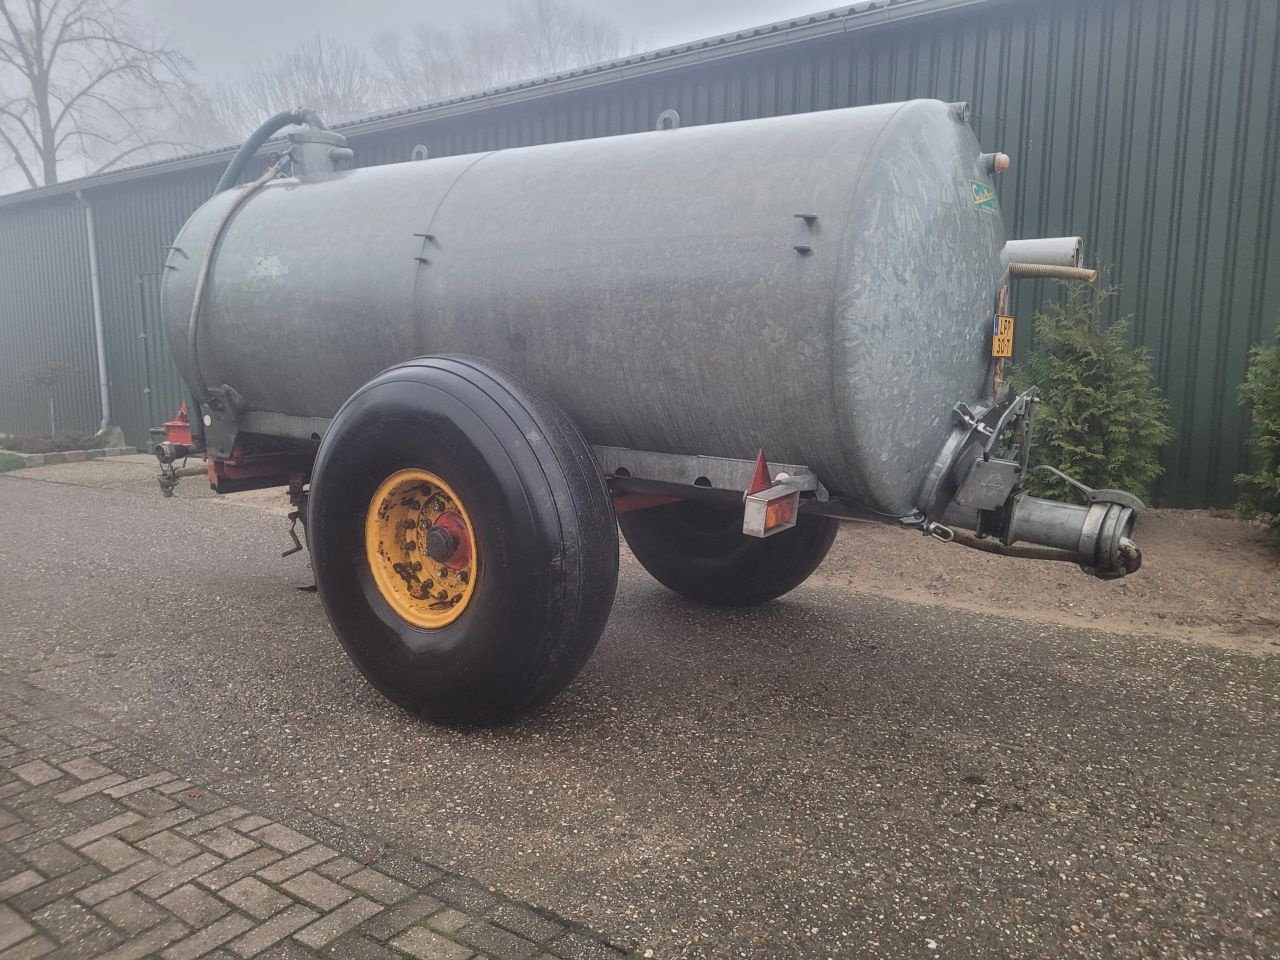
[{"x": 420, "y": 548}]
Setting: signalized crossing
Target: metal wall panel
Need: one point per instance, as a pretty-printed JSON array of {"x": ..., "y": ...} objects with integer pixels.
[
  {"x": 135, "y": 222},
  {"x": 1150, "y": 127},
  {"x": 46, "y": 317}
]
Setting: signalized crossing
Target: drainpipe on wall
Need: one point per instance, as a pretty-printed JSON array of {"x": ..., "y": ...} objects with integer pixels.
[{"x": 99, "y": 330}]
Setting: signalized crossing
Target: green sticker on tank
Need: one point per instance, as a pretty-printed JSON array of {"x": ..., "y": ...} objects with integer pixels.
[{"x": 984, "y": 196}]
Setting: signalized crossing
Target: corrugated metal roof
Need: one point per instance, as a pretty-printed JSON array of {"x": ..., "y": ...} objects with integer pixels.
[{"x": 839, "y": 20}]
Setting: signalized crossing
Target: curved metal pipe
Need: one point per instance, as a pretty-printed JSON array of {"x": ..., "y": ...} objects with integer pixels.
[{"x": 99, "y": 327}]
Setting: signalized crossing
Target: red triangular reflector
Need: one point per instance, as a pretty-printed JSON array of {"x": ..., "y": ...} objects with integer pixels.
[{"x": 761, "y": 480}]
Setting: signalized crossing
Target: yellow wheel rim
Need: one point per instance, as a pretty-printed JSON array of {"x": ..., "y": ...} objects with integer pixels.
[{"x": 421, "y": 548}]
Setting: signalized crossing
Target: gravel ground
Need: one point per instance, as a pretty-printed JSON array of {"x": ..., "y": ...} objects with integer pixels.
[{"x": 835, "y": 775}]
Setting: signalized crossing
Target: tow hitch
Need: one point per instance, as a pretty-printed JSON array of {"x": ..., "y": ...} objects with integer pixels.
[{"x": 978, "y": 484}]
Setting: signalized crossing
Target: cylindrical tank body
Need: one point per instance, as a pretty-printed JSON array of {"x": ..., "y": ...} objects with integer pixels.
[{"x": 820, "y": 286}]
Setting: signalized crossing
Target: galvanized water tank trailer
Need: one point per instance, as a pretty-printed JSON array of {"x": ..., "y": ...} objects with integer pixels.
[{"x": 820, "y": 286}]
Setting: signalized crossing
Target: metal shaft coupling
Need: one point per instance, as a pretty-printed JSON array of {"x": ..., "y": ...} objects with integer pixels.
[{"x": 1098, "y": 534}]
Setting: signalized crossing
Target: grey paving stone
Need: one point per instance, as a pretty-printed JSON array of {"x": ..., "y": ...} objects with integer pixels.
[
  {"x": 448, "y": 921},
  {"x": 140, "y": 872},
  {"x": 254, "y": 897},
  {"x": 274, "y": 930},
  {"x": 174, "y": 877},
  {"x": 412, "y": 871},
  {"x": 282, "y": 838},
  {"x": 149, "y": 803},
  {"x": 30, "y": 949},
  {"x": 112, "y": 853},
  {"x": 85, "y": 768},
  {"x": 98, "y": 830},
  {"x": 13, "y": 832},
  {"x": 95, "y": 808},
  {"x": 388, "y": 924},
  {"x": 377, "y": 885},
  {"x": 249, "y": 824},
  {"x": 211, "y": 819},
  {"x": 425, "y": 945},
  {"x": 13, "y": 929},
  {"x": 317, "y": 890},
  {"x": 226, "y": 842},
  {"x": 228, "y": 873},
  {"x": 95, "y": 846},
  {"x": 31, "y": 900},
  {"x": 153, "y": 825},
  {"x": 207, "y": 938},
  {"x": 36, "y": 772},
  {"x": 167, "y": 847},
  {"x": 194, "y": 905},
  {"x": 92, "y": 787},
  {"x": 18, "y": 883},
  {"x": 333, "y": 925},
  {"x": 293, "y": 865},
  {"x": 130, "y": 913},
  {"x": 53, "y": 859},
  {"x": 142, "y": 783},
  {"x": 339, "y": 867},
  {"x": 357, "y": 947},
  {"x": 81, "y": 932},
  {"x": 286, "y": 950},
  {"x": 149, "y": 943}
]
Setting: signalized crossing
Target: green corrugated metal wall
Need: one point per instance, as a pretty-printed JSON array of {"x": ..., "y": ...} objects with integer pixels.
[
  {"x": 1151, "y": 127},
  {"x": 46, "y": 317},
  {"x": 135, "y": 222}
]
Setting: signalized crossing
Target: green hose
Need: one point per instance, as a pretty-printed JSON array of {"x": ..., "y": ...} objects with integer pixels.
[{"x": 269, "y": 129}]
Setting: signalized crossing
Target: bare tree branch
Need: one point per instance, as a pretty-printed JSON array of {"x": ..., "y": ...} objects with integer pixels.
[
  {"x": 79, "y": 81},
  {"x": 18, "y": 159}
]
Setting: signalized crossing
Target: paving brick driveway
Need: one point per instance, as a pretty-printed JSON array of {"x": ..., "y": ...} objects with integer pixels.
[{"x": 105, "y": 853}]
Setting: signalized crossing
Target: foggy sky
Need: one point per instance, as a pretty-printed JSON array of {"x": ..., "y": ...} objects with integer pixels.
[{"x": 222, "y": 36}]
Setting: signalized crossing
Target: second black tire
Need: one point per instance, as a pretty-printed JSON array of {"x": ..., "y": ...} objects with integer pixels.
[{"x": 698, "y": 549}]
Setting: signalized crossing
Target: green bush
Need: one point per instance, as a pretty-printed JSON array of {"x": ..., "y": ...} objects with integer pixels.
[
  {"x": 9, "y": 461},
  {"x": 1260, "y": 393},
  {"x": 1101, "y": 420}
]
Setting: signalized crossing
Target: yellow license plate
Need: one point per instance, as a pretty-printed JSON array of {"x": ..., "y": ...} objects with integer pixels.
[{"x": 1002, "y": 338}]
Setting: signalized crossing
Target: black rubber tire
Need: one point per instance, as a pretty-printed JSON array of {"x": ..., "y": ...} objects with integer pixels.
[
  {"x": 544, "y": 526},
  {"x": 698, "y": 550}
]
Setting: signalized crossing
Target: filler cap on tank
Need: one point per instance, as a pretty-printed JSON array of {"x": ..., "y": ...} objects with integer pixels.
[{"x": 317, "y": 152}]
